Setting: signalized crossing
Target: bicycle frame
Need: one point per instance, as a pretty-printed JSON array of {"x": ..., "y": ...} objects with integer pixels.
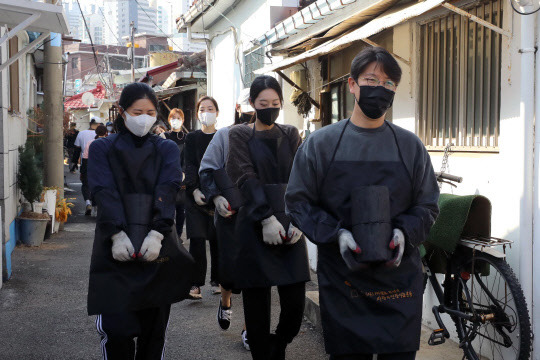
[{"x": 446, "y": 303}]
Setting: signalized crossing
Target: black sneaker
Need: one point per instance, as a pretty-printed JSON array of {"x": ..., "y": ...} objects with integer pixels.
[{"x": 224, "y": 316}]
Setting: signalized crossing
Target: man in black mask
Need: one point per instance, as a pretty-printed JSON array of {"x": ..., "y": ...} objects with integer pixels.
[{"x": 365, "y": 192}]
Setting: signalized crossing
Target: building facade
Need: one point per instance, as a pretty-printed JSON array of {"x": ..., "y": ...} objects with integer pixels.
[{"x": 120, "y": 14}]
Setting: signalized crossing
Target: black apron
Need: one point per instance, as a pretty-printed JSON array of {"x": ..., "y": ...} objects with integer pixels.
[
  {"x": 256, "y": 263},
  {"x": 117, "y": 286},
  {"x": 225, "y": 231},
  {"x": 375, "y": 310},
  {"x": 199, "y": 219}
]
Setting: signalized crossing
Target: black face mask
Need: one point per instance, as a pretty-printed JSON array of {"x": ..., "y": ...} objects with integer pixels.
[
  {"x": 268, "y": 116},
  {"x": 374, "y": 100}
]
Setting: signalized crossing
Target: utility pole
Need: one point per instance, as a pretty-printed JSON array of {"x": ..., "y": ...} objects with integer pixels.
[
  {"x": 112, "y": 94},
  {"x": 54, "y": 112},
  {"x": 132, "y": 25}
]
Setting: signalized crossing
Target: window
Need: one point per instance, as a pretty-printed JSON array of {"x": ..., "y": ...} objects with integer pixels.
[
  {"x": 460, "y": 79},
  {"x": 252, "y": 61},
  {"x": 73, "y": 63},
  {"x": 157, "y": 48}
]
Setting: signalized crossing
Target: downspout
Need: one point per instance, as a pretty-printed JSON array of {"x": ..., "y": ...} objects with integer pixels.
[
  {"x": 535, "y": 279},
  {"x": 527, "y": 109},
  {"x": 208, "y": 58}
]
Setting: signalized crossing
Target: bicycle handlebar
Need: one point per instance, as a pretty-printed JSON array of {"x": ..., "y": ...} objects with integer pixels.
[{"x": 449, "y": 177}]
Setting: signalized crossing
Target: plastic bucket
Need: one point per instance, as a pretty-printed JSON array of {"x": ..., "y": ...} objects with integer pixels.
[{"x": 32, "y": 231}]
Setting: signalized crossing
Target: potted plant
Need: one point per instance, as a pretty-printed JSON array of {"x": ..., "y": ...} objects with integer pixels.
[
  {"x": 62, "y": 212},
  {"x": 32, "y": 224}
]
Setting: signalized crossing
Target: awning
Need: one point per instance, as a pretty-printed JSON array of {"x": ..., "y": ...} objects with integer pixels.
[
  {"x": 165, "y": 93},
  {"x": 160, "y": 73},
  {"x": 325, "y": 27},
  {"x": 179, "y": 75},
  {"x": 371, "y": 28},
  {"x": 31, "y": 16}
]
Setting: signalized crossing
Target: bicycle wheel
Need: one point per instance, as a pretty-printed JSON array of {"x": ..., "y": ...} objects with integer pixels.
[{"x": 500, "y": 328}]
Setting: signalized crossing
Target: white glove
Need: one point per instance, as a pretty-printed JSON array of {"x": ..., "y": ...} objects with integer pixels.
[
  {"x": 272, "y": 231},
  {"x": 122, "y": 248},
  {"x": 199, "y": 197},
  {"x": 151, "y": 246},
  {"x": 397, "y": 243},
  {"x": 222, "y": 206},
  {"x": 294, "y": 234},
  {"x": 346, "y": 245}
]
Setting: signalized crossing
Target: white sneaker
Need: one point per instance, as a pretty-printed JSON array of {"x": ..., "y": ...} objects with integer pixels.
[
  {"x": 245, "y": 341},
  {"x": 94, "y": 211}
]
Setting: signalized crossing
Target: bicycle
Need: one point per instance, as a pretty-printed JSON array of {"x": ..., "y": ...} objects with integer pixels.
[{"x": 482, "y": 296}]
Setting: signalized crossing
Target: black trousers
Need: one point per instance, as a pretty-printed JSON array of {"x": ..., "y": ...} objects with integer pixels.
[
  {"x": 85, "y": 189},
  {"x": 257, "y": 304},
  {"x": 197, "y": 249},
  {"x": 394, "y": 356},
  {"x": 180, "y": 216},
  {"x": 119, "y": 330}
]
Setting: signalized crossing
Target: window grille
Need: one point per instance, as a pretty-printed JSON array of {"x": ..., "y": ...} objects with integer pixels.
[
  {"x": 460, "y": 79},
  {"x": 252, "y": 61}
]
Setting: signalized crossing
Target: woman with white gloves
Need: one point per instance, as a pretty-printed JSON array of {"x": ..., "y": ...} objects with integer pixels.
[
  {"x": 137, "y": 268},
  {"x": 270, "y": 251},
  {"x": 199, "y": 211}
]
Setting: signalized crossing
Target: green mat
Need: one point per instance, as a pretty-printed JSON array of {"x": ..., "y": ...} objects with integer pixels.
[{"x": 459, "y": 216}]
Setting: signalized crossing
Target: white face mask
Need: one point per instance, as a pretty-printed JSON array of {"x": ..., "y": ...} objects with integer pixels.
[
  {"x": 109, "y": 128},
  {"x": 176, "y": 124},
  {"x": 139, "y": 125},
  {"x": 208, "y": 118}
]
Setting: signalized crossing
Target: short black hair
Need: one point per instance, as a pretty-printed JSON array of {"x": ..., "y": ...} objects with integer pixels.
[
  {"x": 263, "y": 82},
  {"x": 380, "y": 56}
]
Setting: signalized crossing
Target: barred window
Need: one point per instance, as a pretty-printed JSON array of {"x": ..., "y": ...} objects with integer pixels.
[
  {"x": 460, "y": 79},
  {"x": 252, "y": 61}
]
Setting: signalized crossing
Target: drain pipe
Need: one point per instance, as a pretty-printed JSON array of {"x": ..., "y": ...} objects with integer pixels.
[
  {"x": 535, "y": 273},
  {"x": 527, "y": 109}
]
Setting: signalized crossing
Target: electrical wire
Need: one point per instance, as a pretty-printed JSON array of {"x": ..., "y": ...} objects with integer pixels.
[{"x": 93, "y": 47}]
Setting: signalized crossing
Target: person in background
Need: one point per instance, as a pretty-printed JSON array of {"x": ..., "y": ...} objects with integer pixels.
[
  {"x": 101, "y": 131},
  {"x": 338, "y": 167},
  {"x": 178, "y": 135},
  {"x": 211, "y": 173},
  {"x": 137, "y": 268},
  {"x": 110, "y": 128},
  {"x": 159, "y": 130},
  {"x": 82, "y": 139},
  {"x": 244, "y": 112},
  {"x": 270, "y": 251},
  {"x": 70, "y": 138},
  {"x": 199, "y": 213}
]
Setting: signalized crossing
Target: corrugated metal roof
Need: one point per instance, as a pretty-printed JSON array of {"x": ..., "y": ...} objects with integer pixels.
[{"x": 373, "y": 27}]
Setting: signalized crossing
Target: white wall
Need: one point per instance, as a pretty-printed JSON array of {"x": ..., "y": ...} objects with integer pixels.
[
  {"x": 13, "y": 134},
  {"x": 251, "y": 18}
]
